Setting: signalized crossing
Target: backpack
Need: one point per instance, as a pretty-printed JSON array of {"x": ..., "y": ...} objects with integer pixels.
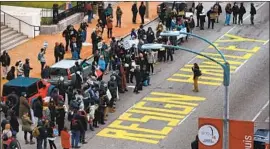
[
  {"x": 5, "y": 137},
  {"x": 36, "y": 132},
  {"x": 199, "y": 73}
]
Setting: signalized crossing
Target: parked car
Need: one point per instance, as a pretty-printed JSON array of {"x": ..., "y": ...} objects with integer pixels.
[
  {"x": 33, "y": 87},
  {"x": 261, "y": 139},
  {"x": 66, "y": 68}
]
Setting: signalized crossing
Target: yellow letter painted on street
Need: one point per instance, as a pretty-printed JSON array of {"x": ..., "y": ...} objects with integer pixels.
[
  {"x": 244, "y": 57},
  {"x": 178, "y": 96},
  {"x": 156, "y": 113},
  {"x": 234, "y": 48},
  {"x": 235, "y": 38},
  {"x": 122, "y": 134},
  {"x": 135, "y": 127},
  {"x": 146, "y": 118}
]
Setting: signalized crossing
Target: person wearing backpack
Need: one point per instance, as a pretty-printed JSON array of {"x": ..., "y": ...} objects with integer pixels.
[
  {"x": 41, "y": 58},
  {"x": 40, "y": 133},
  {"x": 196, "y": 73},
  {"x": 26, "y": 127}
]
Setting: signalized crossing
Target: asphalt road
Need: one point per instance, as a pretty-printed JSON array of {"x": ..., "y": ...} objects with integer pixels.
[{"x": 165, "y": 114}]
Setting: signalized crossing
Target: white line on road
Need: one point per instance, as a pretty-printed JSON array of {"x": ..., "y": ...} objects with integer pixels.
[
  {"x": 186, "y": 117},
  {"x": 258, "y": 114},
  {"x": 266, "y": 42}
]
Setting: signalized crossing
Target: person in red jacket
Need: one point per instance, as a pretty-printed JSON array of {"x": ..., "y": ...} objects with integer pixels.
[{"x": 65, "y": 139}]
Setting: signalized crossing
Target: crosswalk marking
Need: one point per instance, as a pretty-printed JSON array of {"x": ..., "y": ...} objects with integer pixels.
[
  {"x": 216, "y": 66},
  {"x": 182, "y": 105},
  {"x": 202, "y": 77},
  {"x": 213, "y": 72},
  {"x": 222, "y": 61}
]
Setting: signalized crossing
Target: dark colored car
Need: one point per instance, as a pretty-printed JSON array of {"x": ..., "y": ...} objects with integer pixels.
[{"x": 261, "y": 139}]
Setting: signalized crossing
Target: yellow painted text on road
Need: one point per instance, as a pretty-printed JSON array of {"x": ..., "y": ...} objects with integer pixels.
[
  {"x": 234, "y": 48},
  {"x": 175, "y": 109},
  {"x": 234, "y": 38}
]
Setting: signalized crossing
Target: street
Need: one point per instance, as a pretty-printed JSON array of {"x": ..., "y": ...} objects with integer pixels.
[{"x": 165, "y": 114}]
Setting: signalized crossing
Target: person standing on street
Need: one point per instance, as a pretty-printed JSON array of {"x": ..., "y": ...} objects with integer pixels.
[
  {"x": 66, "y": 35},
  {"x": 26, "y": 127},
  {"x": 218, "y": 10},
  {"x": 142, "y": 10},
  {"x": 202, "y": 20},
  {"x": 228, "y": 10},
  {"x": 211, "y": 17},
  {"x": 119, "y": 14},
  {"x": 196, "y": 73},
  {"x": 252, "y": 13},
  {"x": 199, "y": 9},
  {"x": 242, "y": 11},
  {"x": 89, "y": 10},
  {"x": 109, "y": 26},
  {"x": 61, "y": 51},
  {"x": 56, "y": 52},
  {"x": 235, "y": 10},
  {"x": 109, "y": 10},
  {"x": 94, "y": 38},
  {"x": 5, "y": 61},
  {"x": 134, "y": 10},
  {"x": 26, "y": 68}
]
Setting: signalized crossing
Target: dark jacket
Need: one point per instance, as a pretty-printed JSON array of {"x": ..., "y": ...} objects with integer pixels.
[
  {"x": 219, "y": 8},
  {"x": 26, "y": 69},
  {"x": 195, "y": 145},
  {"x": 56, "y": 51},
  {"x": 141, "y": 32},
  {"x": 150, "y": 35},
  {"x": 168, "y": 22},
  {"x": 253, "y": 10},
  {"x": 228, "y": 10},
  {"x": 50, "y": 132},
  {"x": 242, "y": 10},
  {"x": 94, "y": 38},
  {"x": 42, "y": 132},
  {"x": 38, "y": 109},
  {"x": 235, "y": 10},
  {"x": 5, "y": 60},
  {"x": 142, "y": 10},
  {"x": 14, "y": 123},
  {"x": 192, "y": 23},
  {"x": 78, "y": 81},
  {"x": 199, "y": 10},
  {"x": 134, "y": 8}
]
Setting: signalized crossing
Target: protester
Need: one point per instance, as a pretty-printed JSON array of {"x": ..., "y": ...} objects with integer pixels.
[
  {"x": 19, "y": 69},
  {"x": 27, "y": 127},
  {"x": 242, "y": 11},
  {"x": 119, "y": 14},
  {"x": 109, "y": 10},
  {"x": 51, "y": 135},
  {"x": 218, "y": 10},
  {"x": 41, "y": 58},
  {"x": 142, "y": 10},
  {"x": 235, "y": 11},
  {"x": 26, "y": 68},
  {"x": 24, "y": 105},
  {"x": 196, "y": 73},
  {"x": 202, "y": 20},
  {"x": 134, "y": 10},
  {"x": 5, "y": 61},
  {"x": 109, "y": 26},
  {"x": 211, "y": 15},
  {"x": 228, "y": 10},
  {"x": 11, "y": 73},
  {"x": 252, "y": 13},
  {"x": 65, "y": 138},
  {"x": 40, "y": 133},
  {"x": 199, "y": 9}
]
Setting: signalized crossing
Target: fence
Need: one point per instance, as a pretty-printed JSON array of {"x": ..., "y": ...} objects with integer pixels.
[{"x": 19, "y": 25}]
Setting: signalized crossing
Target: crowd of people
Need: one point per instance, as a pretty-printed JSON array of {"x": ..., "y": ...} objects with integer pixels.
[{"x": 87, "y": 103}]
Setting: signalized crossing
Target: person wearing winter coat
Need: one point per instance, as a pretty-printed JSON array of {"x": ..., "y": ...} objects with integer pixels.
[
  {"x": 119, "y": 14},
  {"x": 151, "y": 60},
  {"x": 142, "y": 10},
  {"x": 138, "y": 79},
  {"x": 141, "y": 32},
  {"x": 11, "y": 73},
  {"x": 123, "y": 78},
  {"x": 150, "y": 35},
  {"x": 211, "y": 17},
  {"x": 235, "y": 11},
  {"x": 199, "y": 10},
  {"x": 191, "y": 24},
  {"x": 5, "y": 61},
  {"x": 14, "y": 123},
  {"x": 134, "y": 10},
  {"x": 252, "y": 13},
  {"x": 61, "y": 51},
  {"x": 78, "y": 81},
  {"x": 168, "y": 23},
  {"x": 38, "y": 108},
  {"x": 228, "y": 10},
  {"x": 242, "y": 11},
  {"x": 24, "y": 105},
  {"x": 51, "y": 136},
  {"x": 41, "y": 58},
  {"x": 218, "y": 10},
  {"x": 26, "y": 127},
  {"x": 65, "y": 138},
  {"x": 56, "y": 52},
  {"x": 19, "y": 69},
  {"x": 109, "y": 10},
  {"x": 109, "y": 26},
  {"x": 26, "y": 68},
  {"x": 202, "y": 20},
  {"x": 159, "y": 29}
]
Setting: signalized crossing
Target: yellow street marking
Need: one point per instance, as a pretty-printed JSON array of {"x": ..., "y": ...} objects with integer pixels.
[
  {"x": 245, "y": 57},
  {"x": 191, "y": 81},
  {"x": 122, "y": 134},
  {"x": 146, "y": 118},
  {"x": 201, "y": 77},
  {"x": 181, "y": 97},
  {"x": 156, "y": 113},
  {"x": 221, "y": 60},
  {"x": 234, "y": 48},
  {"x": 203, "y": 71},
  {"x": 239, "y": 39},
  {"x": 169, "y": 100},
  {"x": 186, "y": 109},
  {"x": 212, "y": 65},
  {"x": 135, "y": 127}
]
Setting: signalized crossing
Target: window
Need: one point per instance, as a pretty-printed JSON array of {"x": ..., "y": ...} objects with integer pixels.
[
  {"x": 58, "y": 72},
  {"x": 32, "y": 90}
]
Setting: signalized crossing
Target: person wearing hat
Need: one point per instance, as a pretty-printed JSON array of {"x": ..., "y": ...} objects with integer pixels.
[{"x": 26, "y": 68}]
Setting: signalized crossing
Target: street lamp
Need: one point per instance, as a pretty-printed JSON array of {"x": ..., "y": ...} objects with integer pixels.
[{"x": 226, "y": 75}]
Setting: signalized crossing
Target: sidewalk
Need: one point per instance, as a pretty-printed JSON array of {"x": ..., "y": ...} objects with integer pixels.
[{"x": 31, "y": 48}]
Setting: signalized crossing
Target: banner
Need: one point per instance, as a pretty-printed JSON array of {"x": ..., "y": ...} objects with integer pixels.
[
  {"x": 210, "y": 133},
  {"x": 241, "y": 134}
]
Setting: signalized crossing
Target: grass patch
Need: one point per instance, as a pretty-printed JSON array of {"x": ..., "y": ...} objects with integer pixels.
[
  {"x": 47, "y": 5},
  {"x": 46, "y": 21}
]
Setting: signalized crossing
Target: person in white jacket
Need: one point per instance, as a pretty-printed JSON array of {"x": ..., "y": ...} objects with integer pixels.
[{"x": 19, "y": 65}]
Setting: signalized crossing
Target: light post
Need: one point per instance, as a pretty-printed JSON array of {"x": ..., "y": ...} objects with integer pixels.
[{"x": 226, "y": 76}]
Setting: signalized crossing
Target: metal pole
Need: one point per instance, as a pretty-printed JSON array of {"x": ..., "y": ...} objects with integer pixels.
[{"x": 226, "y": 107}]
